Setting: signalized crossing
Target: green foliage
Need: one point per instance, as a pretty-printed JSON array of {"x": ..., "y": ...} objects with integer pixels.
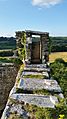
[
  {"x": 15, "y": 116},
  {"x": 16, "y": 60},
  {"x": 43, "y": 91},
  {"x": 10, "y": 60},
  {"x": 58, "y": 44},
  {"x": 22, "y": 51},
  {"x": 61, "y": 107},
  {"x": 59, "y": 73},
  {"x": 35, "y": 76},
  {"x": 7, "y": 43},
  {"x": 59, "y": 60},
  {"x": 23, "y": 39},
  {"x": 40, "y": 114}
]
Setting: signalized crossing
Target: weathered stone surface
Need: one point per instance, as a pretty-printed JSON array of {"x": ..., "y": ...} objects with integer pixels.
[
  {"x": 37, "y": 65},
  {"x": 53, "y": 99},
  {"x": 8, "y": 73},
  {"x": 39, "y": 100},
  {"x": 35, "y": 73},
  {"x": 14, "y": 109},
  {"x": 36, "y": 69},
  {"x": 39, "y": 84},
  {"x": 61, "y": 95},
  {"x": 17, "y": 108}
]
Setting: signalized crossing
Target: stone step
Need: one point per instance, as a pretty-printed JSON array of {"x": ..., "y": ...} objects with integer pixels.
[
  {"x": 36, "y": 66},
  {"x": 36, "y": 69},
  {"x": 38, "y": 100},
  {"x": 39, "y": 84},
  {"x": 24, "y": 73}
]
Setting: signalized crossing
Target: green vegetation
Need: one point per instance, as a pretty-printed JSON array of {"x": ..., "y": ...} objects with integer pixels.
[
  {"x": 35, "y": 76},
  {"x": 10, "y": 60},
  {"x": 43, "y": 91},
  {"x": 7, "y": 43},
  {"x": 21, "y": 53},
  {"x": 46, "y": 113},
  {"x": 22, "y": 46},
  {"x": 15, "y": 116},
  {"x": 43, "y": 113},
  {"x": 59, "y": 73},
  {"x": 58, "y": 44}
]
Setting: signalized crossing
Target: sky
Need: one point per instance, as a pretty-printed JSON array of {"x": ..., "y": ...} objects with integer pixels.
[{"x": 39, "y": 15}]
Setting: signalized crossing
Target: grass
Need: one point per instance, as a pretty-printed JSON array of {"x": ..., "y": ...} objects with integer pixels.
[
  {"x": 42, "y": 91},
  {"x": 54, "y": 56},
  {"x": 35, "y": 76},
  {"x": 34, "y": 91},
  {"x": 10, "y": 60}
]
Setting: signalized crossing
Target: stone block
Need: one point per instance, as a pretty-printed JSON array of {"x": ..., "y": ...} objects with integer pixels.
[
  {"x": 39, "y": 84},
  {"x": 38, "y": 100}
]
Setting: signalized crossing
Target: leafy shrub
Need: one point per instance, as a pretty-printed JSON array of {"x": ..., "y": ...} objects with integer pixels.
[
  {"x": 59, "y": 73},
  {"x": 59, "y": 60}
]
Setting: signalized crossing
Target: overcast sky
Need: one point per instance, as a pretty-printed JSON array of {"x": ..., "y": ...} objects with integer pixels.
[{"x": 42, "y": 15}]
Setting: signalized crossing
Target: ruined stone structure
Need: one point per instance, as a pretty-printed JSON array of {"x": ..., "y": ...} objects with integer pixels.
[
  {"x": 24, "y": 93},
  {"x": 36, "y": 45},
  {"x": 34, "y": 86}
]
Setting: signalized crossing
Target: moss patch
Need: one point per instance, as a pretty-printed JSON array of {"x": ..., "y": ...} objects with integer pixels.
[
  {"x": 43, "y": 91},
  {"x": 35, "y": 76}
]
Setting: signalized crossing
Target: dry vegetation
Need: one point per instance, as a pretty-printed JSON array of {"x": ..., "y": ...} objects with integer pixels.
[{"x": 56, "y": 55}]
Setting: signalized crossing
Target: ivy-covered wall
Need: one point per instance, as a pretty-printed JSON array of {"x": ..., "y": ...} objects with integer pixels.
[{"x": 21, "y": 44}]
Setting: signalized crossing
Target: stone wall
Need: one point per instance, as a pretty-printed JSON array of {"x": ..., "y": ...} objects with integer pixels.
[
  {"x": 45, "y": 48},
  {"x": 8, "y": 73}
]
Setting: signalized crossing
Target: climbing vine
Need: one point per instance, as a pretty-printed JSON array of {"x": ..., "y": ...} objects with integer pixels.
[{"x": 22, "y": 50}]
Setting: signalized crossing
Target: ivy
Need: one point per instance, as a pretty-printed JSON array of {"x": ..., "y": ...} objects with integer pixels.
[{"x": 22, "y": 50}]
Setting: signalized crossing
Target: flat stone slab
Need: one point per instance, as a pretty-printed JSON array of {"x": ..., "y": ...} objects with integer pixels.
[
  {"x": 36, "y": 65},
  {"x": 39, "y": 84},
  {"x": 36, "y": 69},
  {"x": 38, "y": 100},
  {"x": 24, "y": 73}
]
